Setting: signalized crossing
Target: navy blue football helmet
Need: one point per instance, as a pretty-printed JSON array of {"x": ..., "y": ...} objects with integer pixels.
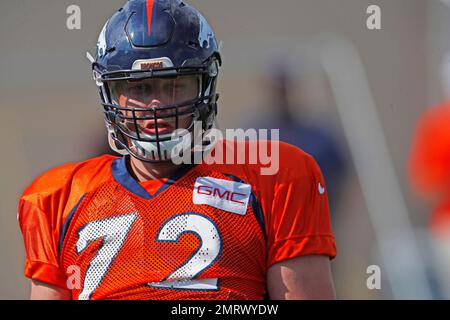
[{"x": 149, "y": 45}]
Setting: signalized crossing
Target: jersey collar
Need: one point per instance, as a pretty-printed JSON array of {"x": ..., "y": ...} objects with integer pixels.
[{"x": 120, "y": 173}]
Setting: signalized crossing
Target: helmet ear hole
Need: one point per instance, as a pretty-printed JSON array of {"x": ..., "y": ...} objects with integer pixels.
[
  {"x": 204, "y": 114},
  {"x": 111, "y": 116},
  {"x": 204, "y": 110}
]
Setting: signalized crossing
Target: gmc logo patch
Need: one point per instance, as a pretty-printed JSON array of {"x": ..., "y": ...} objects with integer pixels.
[{"x": 222, "y": 194}]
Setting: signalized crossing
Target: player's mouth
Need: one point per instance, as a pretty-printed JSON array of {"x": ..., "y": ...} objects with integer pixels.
[{"x": 160, "y": 127}]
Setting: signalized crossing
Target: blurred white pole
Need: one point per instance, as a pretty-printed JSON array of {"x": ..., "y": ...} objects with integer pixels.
[
  {"x": 440, "y": 241},
  {"x": 445, "y": 76},
  {"x": 404, "y": 267}
]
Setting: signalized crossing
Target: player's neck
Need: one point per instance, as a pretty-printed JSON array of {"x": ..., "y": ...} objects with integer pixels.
[{"x": 143, "y": 171}]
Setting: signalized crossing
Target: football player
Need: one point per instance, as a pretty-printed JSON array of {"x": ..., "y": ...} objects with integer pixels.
[{"x": 140, "y": 226}]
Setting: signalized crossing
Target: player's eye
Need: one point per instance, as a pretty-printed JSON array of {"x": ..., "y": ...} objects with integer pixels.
[
  {"x": 140, "y": 91},
  {"x": 180, "y": 88}
]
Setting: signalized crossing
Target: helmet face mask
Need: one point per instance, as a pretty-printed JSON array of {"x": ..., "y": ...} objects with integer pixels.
[
  {"x": 153, "y": 91},
  {"x": 154, "y": 106},
  {"x": 142, "y": 93}
]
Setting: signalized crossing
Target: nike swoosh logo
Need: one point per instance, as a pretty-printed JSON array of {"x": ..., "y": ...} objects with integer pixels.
[{"x": 321, "y": 189}]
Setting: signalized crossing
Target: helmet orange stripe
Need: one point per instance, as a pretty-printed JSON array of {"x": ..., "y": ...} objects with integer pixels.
[{"x": 150, "y": 4}]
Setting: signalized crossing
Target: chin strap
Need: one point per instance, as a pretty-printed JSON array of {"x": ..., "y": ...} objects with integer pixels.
[{"x": 115, "y": 148}]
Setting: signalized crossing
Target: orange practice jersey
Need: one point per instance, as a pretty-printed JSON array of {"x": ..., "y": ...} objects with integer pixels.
[{"x": 209, "y": 232}]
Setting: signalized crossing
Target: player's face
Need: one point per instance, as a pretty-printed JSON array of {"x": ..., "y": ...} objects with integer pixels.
[{"x": 151, "y": 95}]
